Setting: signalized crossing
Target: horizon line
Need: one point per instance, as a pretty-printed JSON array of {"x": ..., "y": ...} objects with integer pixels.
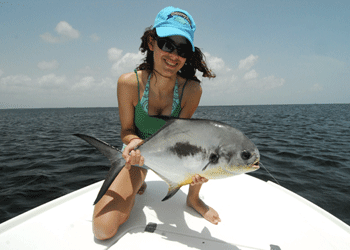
[{"x": 217, "y": 105}]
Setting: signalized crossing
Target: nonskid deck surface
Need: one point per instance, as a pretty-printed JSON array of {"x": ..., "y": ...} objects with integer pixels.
[{"x": 255, "y": 215}]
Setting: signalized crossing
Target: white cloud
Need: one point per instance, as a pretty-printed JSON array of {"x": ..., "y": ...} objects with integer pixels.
[
  {"x": 18, "y": 80},
  {"x": 65, "y": 33},
  {"x": 23, "y": 82},
  {"x": 114, "y": 54},
  {"x": 43, "y": 65},
  {"x": 231, "y": 86},
  {"x": 107, "y": 82},
  {"x": 224, "y": 74},
  {"x": 50, "y": 38},
  {"x": 51, "y": 81},
  {"x": 261, "y": 84},
  {"x": 65, "y": 29},
  {"x": 215, "y": 63},
  {"x": 53, "y": 90},
  {"x": 127, "y": 63},
  {"x": 95, "y": 38},
  {"x": 85, "y": 83},
  {"x": 238, "y": 84},
  {"x": 250, "y": 75},
  {"x": 15, "y": 84},
  {"x": 271, "y": 82},
  {"x": 248, "y": 62},
  {"x": 90, "y": 84}
]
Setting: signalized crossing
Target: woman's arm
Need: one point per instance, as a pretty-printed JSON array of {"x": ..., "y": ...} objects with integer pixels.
[
  {"x": 190, "y": 100},
  {"x": 127, "y": 93}
]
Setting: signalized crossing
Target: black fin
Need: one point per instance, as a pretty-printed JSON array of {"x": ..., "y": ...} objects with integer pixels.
[
  {"x": 111, "y": 175},
  {"x": 173, "y": 186},
  {"x": 107, "y": 150},
  {"x": 115, "y": 157},
  {"x": 171, "y": 193}
]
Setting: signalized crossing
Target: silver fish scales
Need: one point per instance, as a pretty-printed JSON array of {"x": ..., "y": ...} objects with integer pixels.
[{"x": 183, "y": 148}]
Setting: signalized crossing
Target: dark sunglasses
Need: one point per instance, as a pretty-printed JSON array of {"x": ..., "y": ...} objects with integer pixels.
[{"x": 167, "y": 45}]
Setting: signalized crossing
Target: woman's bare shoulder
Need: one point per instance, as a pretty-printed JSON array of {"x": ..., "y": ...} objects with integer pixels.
[
  {"x": 127, "y": 89},
  {"x": 132, "y": 79},
  {"x": 128, "y": 79},
  {"x": 191, "y": 98},
  {"x": 193, "y": 88}
]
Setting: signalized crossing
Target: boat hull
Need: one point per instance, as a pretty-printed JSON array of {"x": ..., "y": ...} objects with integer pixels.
[{"x": 255, "y": 215}]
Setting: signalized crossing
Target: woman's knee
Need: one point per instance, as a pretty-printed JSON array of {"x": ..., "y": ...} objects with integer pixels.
[
  {"x": 105, "y": 227},
  {"x": 114, "y": 208},
  {"x": 104, "y": 233}
]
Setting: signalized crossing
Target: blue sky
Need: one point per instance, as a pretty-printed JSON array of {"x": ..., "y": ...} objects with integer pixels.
[{"x": 71, "y": 53}]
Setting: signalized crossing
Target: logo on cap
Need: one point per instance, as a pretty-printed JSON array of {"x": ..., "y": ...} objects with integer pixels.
[{"x": 182, "y": 16}]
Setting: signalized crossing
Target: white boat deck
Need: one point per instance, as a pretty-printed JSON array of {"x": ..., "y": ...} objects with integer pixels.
[{"x": 255, "y": 215}]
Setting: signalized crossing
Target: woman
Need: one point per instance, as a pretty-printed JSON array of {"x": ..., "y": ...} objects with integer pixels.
[{"x": 163, "y": 85}]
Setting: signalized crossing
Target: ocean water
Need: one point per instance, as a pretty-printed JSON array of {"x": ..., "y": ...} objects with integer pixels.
[{"x": 305, "y": 147}]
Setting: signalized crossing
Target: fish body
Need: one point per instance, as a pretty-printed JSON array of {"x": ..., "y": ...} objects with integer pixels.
[{"x": 183, "y": 148}]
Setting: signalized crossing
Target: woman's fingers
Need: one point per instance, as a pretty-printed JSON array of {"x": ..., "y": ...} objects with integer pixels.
[
  {"x": 133, "y": 158},
  {"x": 139, "y": 158},
  {"x": 128, "y": 166},
  {"x": 136, "y": 158},
  {"x": 126, "y": 153},
  {"x": 197, "y": 179}
]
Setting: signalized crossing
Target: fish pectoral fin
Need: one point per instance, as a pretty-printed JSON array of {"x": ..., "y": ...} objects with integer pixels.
[
  {"x": 171, "y": 192},
  {"x": 206, "y": 166}
]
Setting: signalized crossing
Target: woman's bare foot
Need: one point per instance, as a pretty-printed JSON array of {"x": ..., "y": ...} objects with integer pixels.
[
  {"x": 203, "y": 209},
  {"x": 142, "y": 188}
]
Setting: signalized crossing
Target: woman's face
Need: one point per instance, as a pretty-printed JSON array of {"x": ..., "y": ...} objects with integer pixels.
[{"x": 168, "y": 63}]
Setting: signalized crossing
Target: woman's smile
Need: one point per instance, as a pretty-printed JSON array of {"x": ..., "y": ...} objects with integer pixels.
[{"x": 170, "y": 63}]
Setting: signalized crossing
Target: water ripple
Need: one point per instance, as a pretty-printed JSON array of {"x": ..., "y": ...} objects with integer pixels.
[{"x": 305, "y": 147}]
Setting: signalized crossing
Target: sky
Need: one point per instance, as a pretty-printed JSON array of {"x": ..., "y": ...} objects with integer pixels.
[{"x": 56, "y": 54}]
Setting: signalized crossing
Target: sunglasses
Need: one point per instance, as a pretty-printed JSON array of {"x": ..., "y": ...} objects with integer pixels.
[{"x": 167, "y": 45}]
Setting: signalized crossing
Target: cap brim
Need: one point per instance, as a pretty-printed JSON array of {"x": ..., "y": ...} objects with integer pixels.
[{"x": 170, "y": 31}]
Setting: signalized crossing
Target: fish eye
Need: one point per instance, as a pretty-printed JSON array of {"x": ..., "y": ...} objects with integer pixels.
[
  {"x": 214, "y": 158},
  {"x": 246, "y": 155}
]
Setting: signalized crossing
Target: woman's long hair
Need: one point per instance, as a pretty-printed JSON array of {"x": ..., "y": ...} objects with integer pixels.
[{"x": 188, "y": 71}]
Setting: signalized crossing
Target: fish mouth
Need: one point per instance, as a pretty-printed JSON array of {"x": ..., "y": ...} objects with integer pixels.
[{"x": 256, "y": 164}]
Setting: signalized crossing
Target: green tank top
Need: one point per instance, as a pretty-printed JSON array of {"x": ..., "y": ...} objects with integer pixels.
[{"x": 148, "y": 125}]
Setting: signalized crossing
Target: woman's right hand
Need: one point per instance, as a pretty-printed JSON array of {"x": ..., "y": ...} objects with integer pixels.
[{"x": 131, "y": 156}]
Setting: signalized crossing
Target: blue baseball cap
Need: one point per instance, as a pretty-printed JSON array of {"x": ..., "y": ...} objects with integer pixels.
[{"x": 172, "y": 21}]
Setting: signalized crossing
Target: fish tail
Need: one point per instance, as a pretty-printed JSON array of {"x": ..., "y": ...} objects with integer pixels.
[{"x": 115, "y": 157}]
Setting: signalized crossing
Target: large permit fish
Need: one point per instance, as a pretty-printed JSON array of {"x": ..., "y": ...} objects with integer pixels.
[{"x": 183, "y": 148}]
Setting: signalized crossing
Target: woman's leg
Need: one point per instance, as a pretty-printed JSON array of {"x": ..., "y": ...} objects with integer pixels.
[
  {"x": 197, "y": 204},
  {"x": 114, "y": 207}
]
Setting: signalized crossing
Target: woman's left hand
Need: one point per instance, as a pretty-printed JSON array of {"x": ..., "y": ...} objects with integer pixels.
[
  {"x": 197, "y": 179},
  {"x": 131, "y": 156}
]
